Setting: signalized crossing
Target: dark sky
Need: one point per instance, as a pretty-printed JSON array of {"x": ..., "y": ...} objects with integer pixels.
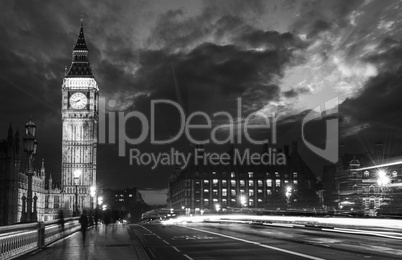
[{"x": 278, "y": 56}]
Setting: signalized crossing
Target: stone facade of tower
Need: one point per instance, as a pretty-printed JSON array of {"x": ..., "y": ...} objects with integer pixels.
[{"x": 80, "y": 96}]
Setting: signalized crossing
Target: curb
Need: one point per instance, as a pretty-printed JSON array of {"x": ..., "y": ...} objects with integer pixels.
[{"x": 138, "y": 246}]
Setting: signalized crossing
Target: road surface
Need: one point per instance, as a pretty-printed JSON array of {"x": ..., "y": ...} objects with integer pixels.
[{"x": 244, "y": 241}]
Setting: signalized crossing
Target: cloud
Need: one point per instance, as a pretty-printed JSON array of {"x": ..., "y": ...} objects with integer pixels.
[
  {"x": 378, "y": 103},
  {"x": 277, "y": 56}
]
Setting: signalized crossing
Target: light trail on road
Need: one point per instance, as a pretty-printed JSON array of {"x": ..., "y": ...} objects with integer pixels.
[{"x": 259, "y": 244}]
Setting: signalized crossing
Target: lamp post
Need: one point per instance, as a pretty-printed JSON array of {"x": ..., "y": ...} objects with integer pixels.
[
  {"x": 30, "y": 147},
  {"x": 77, "y": 174},
  {"x": 217, "y": 207},
  {"x": 243, "y": 200},
  {"x": 92, "y": 192},
  {"x": 100, "y": 200},
  {"x": 288, "y": 194}
]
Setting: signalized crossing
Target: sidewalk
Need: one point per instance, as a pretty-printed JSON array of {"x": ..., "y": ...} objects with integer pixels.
[{"x": 113, "y": 243}]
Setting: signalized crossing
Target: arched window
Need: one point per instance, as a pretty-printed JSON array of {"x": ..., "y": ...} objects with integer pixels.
[
  {"x": 371, "y": 189},
  {"x": 394, "y": 174},
  {"x": 366, "y": 174},
  {"x": 355, "y": 189}
]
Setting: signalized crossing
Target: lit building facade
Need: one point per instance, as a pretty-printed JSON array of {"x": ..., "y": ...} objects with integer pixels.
[
  {"x": 368, "y": 191},
  {"x": 204, "y": 187},
  {"x": 14, "y": 184},
  {"x": 80, "y": 99}
]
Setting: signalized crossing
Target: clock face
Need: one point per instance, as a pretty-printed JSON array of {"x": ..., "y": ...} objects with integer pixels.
[{"x": 78, "y": 100}]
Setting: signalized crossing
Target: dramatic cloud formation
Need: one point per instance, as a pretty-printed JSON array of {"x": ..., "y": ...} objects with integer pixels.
[{"x": 278, "y": 56}]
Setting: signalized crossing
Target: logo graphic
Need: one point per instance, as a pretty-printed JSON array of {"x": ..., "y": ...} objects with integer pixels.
[{"x": 330, "y": 152}]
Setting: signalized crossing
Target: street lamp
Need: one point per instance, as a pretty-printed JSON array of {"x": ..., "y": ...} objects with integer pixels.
[
  {"x": 383, "y": 179},
  {"x": 243, "y": 200},
  {"x": 217, "y": 207},
  {"x": 288, "y": 194},
  {"x": 92, "y": 192},
  {"x": 30, "y": 147},
  {"x": 77, "y": 174}
]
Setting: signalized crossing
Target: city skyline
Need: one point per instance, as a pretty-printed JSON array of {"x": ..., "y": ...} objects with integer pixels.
[{"x": 277, "y": 56}]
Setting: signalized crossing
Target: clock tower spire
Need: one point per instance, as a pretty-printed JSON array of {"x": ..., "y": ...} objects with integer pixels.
[
  {"x": 80, "y": 65},
  {"x": 80, "y": 98}
]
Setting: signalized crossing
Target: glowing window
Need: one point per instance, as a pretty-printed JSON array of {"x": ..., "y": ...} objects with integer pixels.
[
  {"x": 277, "y": 183},
  {"x": 224, "y": 192}
]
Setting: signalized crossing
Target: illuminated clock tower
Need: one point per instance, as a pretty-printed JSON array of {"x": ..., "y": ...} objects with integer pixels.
[{"x": 79, "y": 110}]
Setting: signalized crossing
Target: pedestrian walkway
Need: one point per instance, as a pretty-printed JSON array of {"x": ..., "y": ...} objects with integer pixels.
[{"x": 111, "y": 243}]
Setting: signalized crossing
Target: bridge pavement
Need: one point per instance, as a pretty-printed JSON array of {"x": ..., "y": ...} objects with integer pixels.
[{"x": 116, "y": 242}]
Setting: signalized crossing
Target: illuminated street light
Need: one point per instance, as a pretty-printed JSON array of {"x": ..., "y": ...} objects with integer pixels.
[
  {"x": 383, "y": 179},
  {"x": 217, "y": 207},
  {"x": 100, "y": 200},
  {"x": 92, "y": 192},
  {"x": 243, "y": 200},
  {"x": 288, "y": 194}
]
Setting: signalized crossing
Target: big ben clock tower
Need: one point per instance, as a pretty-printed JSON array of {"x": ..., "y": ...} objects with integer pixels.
[{"x": 80, "y": 95}]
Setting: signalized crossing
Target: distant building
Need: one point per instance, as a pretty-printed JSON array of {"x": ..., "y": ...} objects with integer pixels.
[
  {"x": 125, "y": 201},
  {"x": 354, "y": 184},
  {"x": 205, "y": 187}
]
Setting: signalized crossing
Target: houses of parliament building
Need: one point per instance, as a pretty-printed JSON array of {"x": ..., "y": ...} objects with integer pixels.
[{"x": 24, "y": 189}]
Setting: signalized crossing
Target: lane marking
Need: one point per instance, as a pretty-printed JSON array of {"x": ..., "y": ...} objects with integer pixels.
[
  {"x": 166, "y": 242},
  {"x": 188, "y": 257},
  {"x": 259, "y": 244},
  {"x": 175, "y": 248}
]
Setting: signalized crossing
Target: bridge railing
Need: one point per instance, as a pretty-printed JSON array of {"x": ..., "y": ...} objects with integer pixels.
[{"x": 19, "y": 239}]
